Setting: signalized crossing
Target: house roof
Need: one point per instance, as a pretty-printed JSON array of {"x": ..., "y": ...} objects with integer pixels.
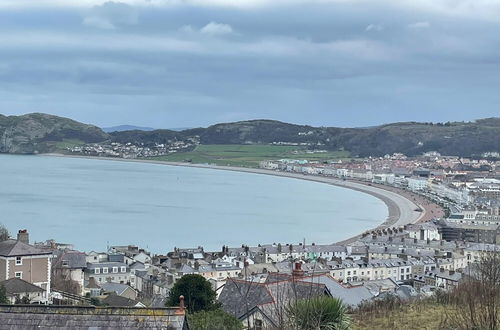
[
  {"x": 72, "y": 260},
  {"x": 14, "y": 248},
  {"x": 69, "y": 317},
  {"x": 238, "y": 297},
  {"x": 118, "y": 288},
  {"x": 115, "y": 300},
  {"x": 351, "y": 296},
  {"x": 16, "y": 285}
]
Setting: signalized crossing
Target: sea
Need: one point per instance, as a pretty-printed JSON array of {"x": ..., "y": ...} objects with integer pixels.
[{"x": 94, "y": 204}]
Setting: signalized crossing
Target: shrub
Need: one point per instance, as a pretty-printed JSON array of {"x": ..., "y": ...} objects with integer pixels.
[{"x": 322, "y": 313}]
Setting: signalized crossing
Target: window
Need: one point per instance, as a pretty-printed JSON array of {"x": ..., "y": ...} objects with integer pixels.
[
  {"x": 105, "y": 270},
  {"x": 18, "y": 274},
  {"x": 97, "y": 271},
  {"x": 115, "y": 269},
  {"x": 19, "y": 260},
  {"x": 258, "y": 325},
  {"x": 123, "y": 269}
]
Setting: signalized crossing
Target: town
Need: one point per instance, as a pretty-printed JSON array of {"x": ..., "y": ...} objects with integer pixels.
[
  {"x": 130, "y": 150},
  {"x": 411, "y": 261}
]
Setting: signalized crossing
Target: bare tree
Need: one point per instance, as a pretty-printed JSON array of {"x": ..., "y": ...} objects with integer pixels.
[
  {"x": 476, "y": 301},
  {"x": 4, "y": 233}
]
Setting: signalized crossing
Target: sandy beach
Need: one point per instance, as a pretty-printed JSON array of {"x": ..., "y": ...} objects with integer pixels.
[{"x": 402, "y": 205}]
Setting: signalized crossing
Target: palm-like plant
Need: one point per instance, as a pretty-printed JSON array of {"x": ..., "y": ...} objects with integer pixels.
[{"x": 318, "y": 313}]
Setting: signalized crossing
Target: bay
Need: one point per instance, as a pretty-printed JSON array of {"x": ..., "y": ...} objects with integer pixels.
[{"x": 95, "y": 203}]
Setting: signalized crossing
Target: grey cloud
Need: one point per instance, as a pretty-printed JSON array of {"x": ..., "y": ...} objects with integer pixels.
[
  {"x": 111, "y": 14},
  {"x": 311, "y": 62}
]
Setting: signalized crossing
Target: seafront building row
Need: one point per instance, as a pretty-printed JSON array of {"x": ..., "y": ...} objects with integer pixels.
[{"x": 409, "y": 262}]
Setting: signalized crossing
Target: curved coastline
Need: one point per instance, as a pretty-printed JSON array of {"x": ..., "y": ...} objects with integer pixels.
[{"x": 401, "y": 210}]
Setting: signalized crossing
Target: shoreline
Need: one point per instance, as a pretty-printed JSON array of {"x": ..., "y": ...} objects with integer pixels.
[{"x": 401, "y": 210}]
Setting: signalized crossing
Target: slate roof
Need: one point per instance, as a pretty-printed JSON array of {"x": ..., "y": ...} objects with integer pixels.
[
  {"x": 14, "y": 248},
  {"x": 72, "y": 260},
  {"x": 351, "y": 296},
  {"x": 76, "y": 317},
  {"x": 115, "y": 300},
  {"x": 236, "y": 294},
  {"x": 118, "y": 288},
  {"x": 16, "y": 285},
  {"x": 239, "y": 296}
]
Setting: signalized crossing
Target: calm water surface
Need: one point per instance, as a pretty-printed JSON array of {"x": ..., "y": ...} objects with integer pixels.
[{"x": 92, "y": 203}]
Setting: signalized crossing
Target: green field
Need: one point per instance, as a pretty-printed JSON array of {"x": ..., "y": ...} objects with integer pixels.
[
  {"x": 68, "y": 143},
  {"x": 247, "y": 155}
]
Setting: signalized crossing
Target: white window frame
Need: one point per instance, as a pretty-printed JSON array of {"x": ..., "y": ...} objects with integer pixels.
[
  {"x": 19, "y": 261},
  {"x": 104, "y": 270},
  {"x": 123, "y": 269},
  {"x": 97, "y": 270},
  {"x": 18, "y": 275},
  {"x": 115, "y": 270}
]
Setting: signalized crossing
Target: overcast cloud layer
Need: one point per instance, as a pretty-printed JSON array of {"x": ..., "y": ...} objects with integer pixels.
[{"x": 174, "y": 63}]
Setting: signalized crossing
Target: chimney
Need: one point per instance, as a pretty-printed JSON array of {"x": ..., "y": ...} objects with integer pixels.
[
  {"x": 298, "y": 272},
  {"x": 23, "y": 236},
  {"x": 181, "y": 303}
]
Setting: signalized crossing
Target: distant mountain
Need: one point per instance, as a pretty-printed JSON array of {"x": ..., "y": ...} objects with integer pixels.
[
  {"x": 122, "y": 128},
  {"x": 41, "y": 133},
  {"x": 44, "y": 133},
  {"x": 410, "y": 138}
]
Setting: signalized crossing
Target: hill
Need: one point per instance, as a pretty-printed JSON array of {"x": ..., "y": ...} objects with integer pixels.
[
  {"x": 411, "y": 138},
  {"x": 37, "y": 132},
  {"x": 41, "y": 133}
]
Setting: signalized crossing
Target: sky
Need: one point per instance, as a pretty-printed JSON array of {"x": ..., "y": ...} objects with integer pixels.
[{"x": 191, "y": 63}]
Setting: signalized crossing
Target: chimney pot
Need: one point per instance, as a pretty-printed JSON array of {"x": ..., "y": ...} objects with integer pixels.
[{"x": 23, "y": 236}]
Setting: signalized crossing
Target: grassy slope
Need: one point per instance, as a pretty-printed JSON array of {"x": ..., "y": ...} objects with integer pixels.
[
  {"x": 247, "y": 155},
  {"x": 416, "y": 316}
]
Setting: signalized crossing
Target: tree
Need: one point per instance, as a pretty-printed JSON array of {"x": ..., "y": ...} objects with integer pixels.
[
  {"x": 318, "y": 313},
  {"x": 197, "y": 291},
  {"x": 3, "y": 295},
  {"x": 214, "y": 320},
  {"x": 477, "y": 298},
  {"x": 4, "y": 233}
]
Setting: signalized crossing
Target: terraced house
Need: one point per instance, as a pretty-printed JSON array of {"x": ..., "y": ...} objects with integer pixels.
[{"x": 19, "y": 259}]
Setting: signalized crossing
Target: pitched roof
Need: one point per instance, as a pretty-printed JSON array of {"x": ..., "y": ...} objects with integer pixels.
[
  {"x": 115, "y": 300},
  {"x": 118, "y": 288},
  {"x": 16, "y": 285},
  {"x": 72, "y": 260},
  {"x": 14, "y": 248},
  {"x": 237, "y": 294},
  {"x": 70, "y": 317},
  {"x": 238, "y": 297},
  {"x": 351, "y": 296}
]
